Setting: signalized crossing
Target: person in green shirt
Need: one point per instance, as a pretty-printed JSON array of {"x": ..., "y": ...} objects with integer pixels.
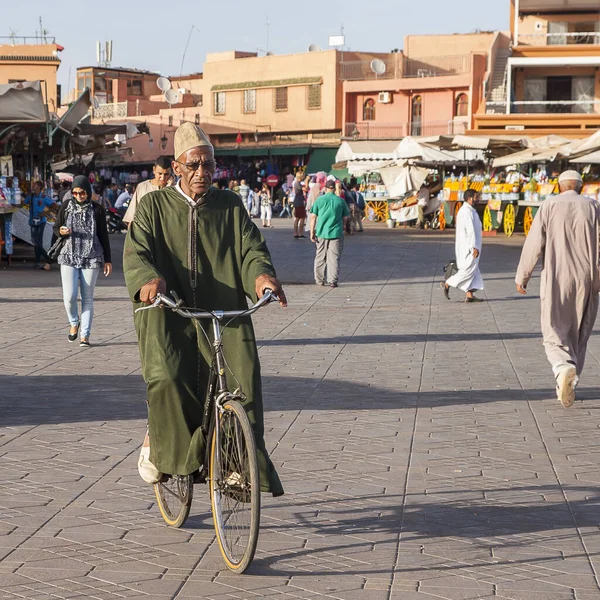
[
  {"x": 200, "y": 242},
  {"x": 329, "y": 215}
]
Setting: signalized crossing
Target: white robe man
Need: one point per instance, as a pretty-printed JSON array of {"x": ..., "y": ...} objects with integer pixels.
[
  {"x": 468, "y": 251},
  {"x": 565, "y": 232}
]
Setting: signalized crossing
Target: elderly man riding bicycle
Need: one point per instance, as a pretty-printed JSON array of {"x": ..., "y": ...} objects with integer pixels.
[{"x": 199, "y": 242}]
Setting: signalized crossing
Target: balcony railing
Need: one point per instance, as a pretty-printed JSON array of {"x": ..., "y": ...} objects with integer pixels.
[
  {"x": 436, "y": 66},
  {"x": 545, "y": 107},
  {"x": 115, "y": 110},
  {"x": 432, "y": 66},
  {"x": 358, "y": 70},
  {"x": 560, "y": 39},
  {"x": 372, "y": 130},
  {"x": 18, "y": 40}
]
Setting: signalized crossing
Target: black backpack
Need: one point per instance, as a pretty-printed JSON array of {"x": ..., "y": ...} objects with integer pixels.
[{"x": 450, "y": 269}]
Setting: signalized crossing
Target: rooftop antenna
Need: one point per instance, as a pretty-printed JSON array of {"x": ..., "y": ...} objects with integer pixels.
[
  {"x": 13, "y": 36},
  {"x": 186, "y": 47},
  {"x": 43, "y": 33},
  {"x": 104, "y": 53},
  {"x": 378, "y": 67},
  {"x": 268, "y": 32}
]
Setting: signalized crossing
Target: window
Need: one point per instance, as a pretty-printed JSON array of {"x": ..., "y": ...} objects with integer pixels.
[
  {"x": 462, "y": 106},
  {"x": 314, "y": 96},
  {"x": 197, "y": 119},
  {"x": 170, "y": 120},
  {"x": 369, "y": 110},
  {"x": 281, "y": 98},
  {"x": 219, "y": 103},
  {"x": 84, "y": 80},
  {"x": 417, "y": 116},
  {"x": 249, "y": 101},
  {"x": 134, "y": 87}
]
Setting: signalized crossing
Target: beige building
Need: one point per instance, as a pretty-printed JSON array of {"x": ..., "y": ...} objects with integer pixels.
[
  {"x": 248, "y": 102},
  {"x": 31, "y": 59}
]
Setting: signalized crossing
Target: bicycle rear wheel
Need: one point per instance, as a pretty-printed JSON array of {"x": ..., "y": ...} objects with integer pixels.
[
  {"x": 235, "y": 487},
  {"x": 174, "y": 498}
]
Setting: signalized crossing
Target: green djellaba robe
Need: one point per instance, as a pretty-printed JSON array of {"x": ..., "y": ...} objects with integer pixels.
[{"x": 210, "y": 254}]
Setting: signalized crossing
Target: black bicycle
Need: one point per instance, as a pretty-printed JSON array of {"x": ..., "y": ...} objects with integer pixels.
[{"x": 230, "y": 466}]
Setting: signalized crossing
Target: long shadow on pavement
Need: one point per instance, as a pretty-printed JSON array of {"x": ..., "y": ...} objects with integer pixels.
[{"x": 37, "y": 400}]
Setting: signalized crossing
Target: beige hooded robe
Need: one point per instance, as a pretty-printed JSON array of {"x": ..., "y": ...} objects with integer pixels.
[{"x": 565, "y": 233}]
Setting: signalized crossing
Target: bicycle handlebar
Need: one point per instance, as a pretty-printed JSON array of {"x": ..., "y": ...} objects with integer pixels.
[{"x": 166, "y": 301}]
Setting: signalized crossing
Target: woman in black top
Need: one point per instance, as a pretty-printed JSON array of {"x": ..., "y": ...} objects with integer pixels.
[{"x": 85, "y": 252}]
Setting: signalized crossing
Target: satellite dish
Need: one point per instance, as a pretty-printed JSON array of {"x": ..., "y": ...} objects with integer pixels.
[
  {"x": 378, "y": 66},
  {"x": 314, "y": 48},
  {"x": 171, "y": 96},
  {"x": 163, "y": 84}
]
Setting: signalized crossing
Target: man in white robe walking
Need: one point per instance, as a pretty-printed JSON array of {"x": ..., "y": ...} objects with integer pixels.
[
  {"x": 468, "y": 251},
  {"x": 565, "y": 232}
]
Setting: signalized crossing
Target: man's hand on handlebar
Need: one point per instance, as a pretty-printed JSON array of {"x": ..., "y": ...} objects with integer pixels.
[
  {"x": 150, "y": 290},
  {"x": 264, "y": 282}
]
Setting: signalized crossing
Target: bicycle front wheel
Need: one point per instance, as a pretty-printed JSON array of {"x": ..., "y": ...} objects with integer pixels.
[{"x": 235, "y": 487}]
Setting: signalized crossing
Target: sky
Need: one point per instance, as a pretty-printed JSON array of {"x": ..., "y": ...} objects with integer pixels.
[{"x": 156, "y": 38}]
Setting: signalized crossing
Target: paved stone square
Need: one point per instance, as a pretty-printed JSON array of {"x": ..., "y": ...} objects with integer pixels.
[{"x": 419, "y": 441}]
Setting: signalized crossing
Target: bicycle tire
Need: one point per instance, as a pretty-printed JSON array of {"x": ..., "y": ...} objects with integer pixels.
[
  {"x": 175, "y": 507},
  {"x": 234, "y": 481}
]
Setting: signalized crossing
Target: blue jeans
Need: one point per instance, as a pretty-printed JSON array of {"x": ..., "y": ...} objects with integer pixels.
[
  {"x": 37, "y": 239},
  {"x": 73, "y": 278}
]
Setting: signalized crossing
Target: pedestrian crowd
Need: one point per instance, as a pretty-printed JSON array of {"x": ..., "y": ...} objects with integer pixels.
[{"x": 565, "y": 236}]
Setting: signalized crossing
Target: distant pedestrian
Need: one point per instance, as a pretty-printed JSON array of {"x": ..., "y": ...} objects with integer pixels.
[
  {"x": 39, "y": 204},
  {"x": 266, "y": 205},
  {"x": 244, "y": 193},
  {"x": 85, "y": 252},
  {"x": 124, "y": 198},
  {"x": 329, "y": 215},
  {"x": 285, "y": 202},
  {"x": 468, "y": 251},
  {"x": 162, "y": 174},
  {"x": 565, "y": 234},
  {"x": 422, "y": 201},
  {"x": 360, "y": 206},
  {"x": 299, "y": 192}
]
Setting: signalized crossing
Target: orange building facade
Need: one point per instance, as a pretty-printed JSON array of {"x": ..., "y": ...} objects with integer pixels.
[
  {"x": 415, "y": 92},
  {"x": 550, "y": 80},
  {"x": 32, "y": 59}
]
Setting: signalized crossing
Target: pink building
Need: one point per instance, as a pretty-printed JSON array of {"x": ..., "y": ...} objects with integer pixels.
[{"x": 416, "y": 93}]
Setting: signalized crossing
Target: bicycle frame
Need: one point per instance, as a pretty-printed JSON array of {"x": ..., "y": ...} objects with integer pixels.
[{"x": 217, "y": 391}]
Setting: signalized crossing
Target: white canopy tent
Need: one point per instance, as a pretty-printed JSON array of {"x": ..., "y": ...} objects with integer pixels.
[
  {"x": 365, "y": 156},
  {"x": 402, "y": 178}
]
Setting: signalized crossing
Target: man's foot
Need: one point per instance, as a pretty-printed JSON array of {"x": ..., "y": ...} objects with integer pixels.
[
  {"x": 565, "y": 386},
  {"x": 46, "y": 267},
  {"x": 296, "y": 236},
  {"x": 333, "y": 285},
  {"x": 321, "y": 283},
  {"x": 85, "y": 342},
  {"x": 148, "y": 472},
  {"x": 302, "y": 236},
  {"x": 474, "y": 299},
  {"x": 445, "y": 289}
]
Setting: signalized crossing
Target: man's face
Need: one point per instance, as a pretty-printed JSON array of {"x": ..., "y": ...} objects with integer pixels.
[
  {"x": 37, "y": 188},
  {"x": 196, "y": 168},
  {"x": 161, "y": 176}
]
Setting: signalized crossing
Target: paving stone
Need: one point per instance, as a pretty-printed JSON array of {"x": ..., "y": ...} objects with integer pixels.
[{"x": 419, "y": 441}]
